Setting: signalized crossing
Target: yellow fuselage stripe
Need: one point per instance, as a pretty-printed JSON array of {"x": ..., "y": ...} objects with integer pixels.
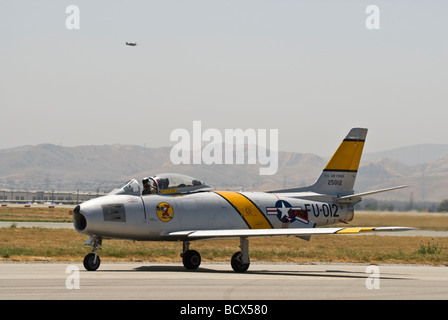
[{"x": 254, "y": 218}]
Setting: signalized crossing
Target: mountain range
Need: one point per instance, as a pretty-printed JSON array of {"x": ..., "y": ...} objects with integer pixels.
[{"x": 101, "y": 168}]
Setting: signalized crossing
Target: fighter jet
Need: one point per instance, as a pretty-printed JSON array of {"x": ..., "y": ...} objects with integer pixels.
[
  {"x": 181, "y": 208},
  {"x": 132, "y": 44}
]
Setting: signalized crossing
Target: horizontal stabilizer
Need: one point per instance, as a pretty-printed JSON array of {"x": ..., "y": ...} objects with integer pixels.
[{"x": 352, "y": 196}]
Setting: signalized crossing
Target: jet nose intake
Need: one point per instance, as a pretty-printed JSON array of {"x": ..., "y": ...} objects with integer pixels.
[{"x": 79, "y": 220}]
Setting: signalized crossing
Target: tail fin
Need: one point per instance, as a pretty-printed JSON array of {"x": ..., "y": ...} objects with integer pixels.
[{"x": 338, "y": 177}]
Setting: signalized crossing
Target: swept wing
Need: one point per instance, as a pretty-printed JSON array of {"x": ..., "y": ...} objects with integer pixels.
[{"x": 299, "y": 232}]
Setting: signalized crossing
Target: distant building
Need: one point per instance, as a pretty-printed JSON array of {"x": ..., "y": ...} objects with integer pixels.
[{"x": 16, "y": 196}]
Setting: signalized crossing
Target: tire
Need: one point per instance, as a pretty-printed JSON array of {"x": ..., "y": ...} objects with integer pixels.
[
  {"x": 191, "y": 259},
  {"x": 237, "y": 264},
  {"x": 89, "y": 263}
]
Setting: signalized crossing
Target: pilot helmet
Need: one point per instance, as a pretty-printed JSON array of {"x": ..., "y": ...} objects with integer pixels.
[{"x": 145, "y": 181}]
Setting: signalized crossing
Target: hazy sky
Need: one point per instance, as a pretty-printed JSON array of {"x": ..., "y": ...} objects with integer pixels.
[{"x": 310, "y": 69}]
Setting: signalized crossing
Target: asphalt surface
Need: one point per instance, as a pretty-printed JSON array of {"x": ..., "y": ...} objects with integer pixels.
[
  {"x": 284, "y": 282},
  {"x": 25, "y": 224}
]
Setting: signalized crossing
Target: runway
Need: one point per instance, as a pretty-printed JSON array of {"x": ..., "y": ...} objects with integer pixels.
[
  {"x": 26, "y": 224},
  {"x": 170, "y": 281}
]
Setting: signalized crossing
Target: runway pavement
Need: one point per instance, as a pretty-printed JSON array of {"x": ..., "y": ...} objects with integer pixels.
[
  {"x": 26, "y": 224},
  {"x": 283, "y": 282}
]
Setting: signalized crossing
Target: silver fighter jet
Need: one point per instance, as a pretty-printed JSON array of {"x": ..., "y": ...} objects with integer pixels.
[{"x": 181, "y": 208}]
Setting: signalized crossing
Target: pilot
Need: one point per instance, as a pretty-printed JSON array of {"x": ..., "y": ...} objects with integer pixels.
[{"x": 147, "y": 188}]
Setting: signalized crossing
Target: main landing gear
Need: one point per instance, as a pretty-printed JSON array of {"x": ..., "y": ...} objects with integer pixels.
[
  {"x": 92, "y": 260},
  {"x": 190, "y": 258},
  {"x": 240, "y": 260}
]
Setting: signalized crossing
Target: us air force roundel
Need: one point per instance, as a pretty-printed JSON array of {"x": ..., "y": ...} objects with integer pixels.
[{"x": 286, "y": 213}]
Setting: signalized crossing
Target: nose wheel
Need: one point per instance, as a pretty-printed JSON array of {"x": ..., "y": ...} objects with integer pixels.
[{"x": 92, "y": 261}]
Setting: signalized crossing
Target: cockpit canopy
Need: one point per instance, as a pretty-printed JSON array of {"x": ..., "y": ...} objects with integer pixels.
[
  {"x": 165, "y": 183},
  {"x": 131, "y": 187}
]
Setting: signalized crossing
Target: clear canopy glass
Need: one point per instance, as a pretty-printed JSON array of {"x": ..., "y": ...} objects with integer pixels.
[{"x": 164, "y": 183}]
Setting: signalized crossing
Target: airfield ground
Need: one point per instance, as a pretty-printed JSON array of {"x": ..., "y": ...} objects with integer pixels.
[
  {"x": 34, "y": 263},
  {"x": 48, "y": 244},
  {"x": 160, "y": 284}
]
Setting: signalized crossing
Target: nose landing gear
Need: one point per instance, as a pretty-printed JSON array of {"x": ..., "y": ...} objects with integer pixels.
[{"x": 92, "y": 261}]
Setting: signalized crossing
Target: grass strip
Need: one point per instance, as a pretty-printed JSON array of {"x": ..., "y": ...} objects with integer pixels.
[{"x": 39, "y": 244}]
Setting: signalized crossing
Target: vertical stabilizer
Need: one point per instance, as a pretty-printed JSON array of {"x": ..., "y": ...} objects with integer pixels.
[{"x": 338, "y": 177}]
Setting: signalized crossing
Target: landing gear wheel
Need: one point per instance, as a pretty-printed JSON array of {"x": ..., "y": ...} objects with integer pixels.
[
  {"x": 92, "y": 262},
  {"x": 191, "y": 259},
  {"x": 237, "y": 264}
]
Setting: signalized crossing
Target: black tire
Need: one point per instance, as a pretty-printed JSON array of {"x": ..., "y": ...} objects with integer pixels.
[
  {"x": 89, "y": 263},
  {"x": 191, "y": 259},
  {"x": 237, "y": 264}
]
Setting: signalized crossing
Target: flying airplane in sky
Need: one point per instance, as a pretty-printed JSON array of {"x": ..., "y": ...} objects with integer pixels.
[
  {"x": 181, "y": 208},
  {"x": 132, "y": 44}
]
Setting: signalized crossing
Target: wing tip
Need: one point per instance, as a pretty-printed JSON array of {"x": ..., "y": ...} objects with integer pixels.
[{"x": 355, "y": 230}]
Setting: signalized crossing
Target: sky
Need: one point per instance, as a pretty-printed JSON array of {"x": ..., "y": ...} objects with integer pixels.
[{"x": 310, "y": 69}]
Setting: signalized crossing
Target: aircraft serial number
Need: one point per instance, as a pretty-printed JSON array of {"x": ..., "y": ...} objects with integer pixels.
[
  {"x": 326, "y": 209},
  {"x": 335, "y": 182}
]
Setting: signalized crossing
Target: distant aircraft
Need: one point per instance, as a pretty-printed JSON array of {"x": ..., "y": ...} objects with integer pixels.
[
  {"x": 181, "y": 208},
  {"x": 132, "y": 44}
]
